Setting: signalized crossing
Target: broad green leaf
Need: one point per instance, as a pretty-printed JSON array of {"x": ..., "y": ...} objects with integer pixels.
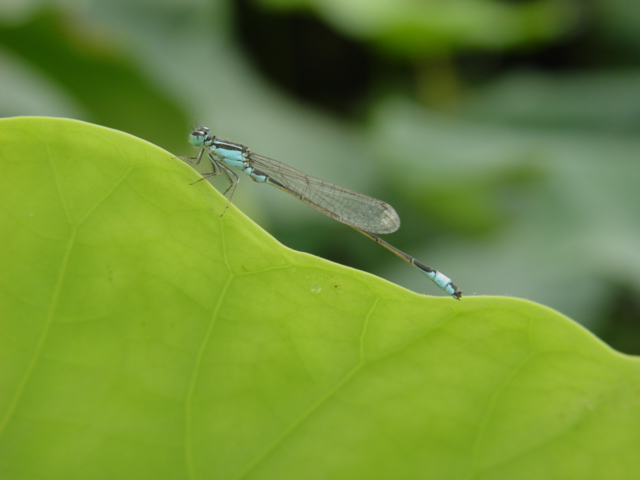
[
  {"x": 409, "y": 28},
  {"x": 144, "y": 336}
]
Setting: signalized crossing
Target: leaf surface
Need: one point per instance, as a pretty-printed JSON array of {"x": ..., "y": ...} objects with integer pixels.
[{"x": 144, "y": 336}]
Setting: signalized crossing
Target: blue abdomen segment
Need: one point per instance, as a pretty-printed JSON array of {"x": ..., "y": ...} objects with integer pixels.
[
  {"x": 441, "y": 280},
  {"x": 255, "y": 176}
]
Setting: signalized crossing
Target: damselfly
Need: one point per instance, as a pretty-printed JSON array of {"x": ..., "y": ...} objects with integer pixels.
[{"x": 361, "y": 212}]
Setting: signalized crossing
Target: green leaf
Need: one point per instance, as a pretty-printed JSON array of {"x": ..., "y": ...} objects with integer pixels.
[
  {"x": 144, "y": 336},
  {"x": 413, "y": 29}
]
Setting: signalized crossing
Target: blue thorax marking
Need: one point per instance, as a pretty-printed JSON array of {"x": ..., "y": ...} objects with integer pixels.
[{"x": 232, "y": 154}]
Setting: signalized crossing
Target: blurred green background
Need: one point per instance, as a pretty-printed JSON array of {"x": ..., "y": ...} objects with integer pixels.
[{"x": 505, "y": 133}]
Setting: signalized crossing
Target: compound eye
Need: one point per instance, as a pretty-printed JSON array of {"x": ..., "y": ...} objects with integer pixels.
[{"x": 201, "y": 131}]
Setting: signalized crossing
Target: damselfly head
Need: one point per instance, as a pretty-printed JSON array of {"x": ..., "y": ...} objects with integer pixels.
[{"x": 198, "y": 136}]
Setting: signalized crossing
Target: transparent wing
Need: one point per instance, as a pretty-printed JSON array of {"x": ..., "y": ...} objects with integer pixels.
[{"x": 339, "y": 203}]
